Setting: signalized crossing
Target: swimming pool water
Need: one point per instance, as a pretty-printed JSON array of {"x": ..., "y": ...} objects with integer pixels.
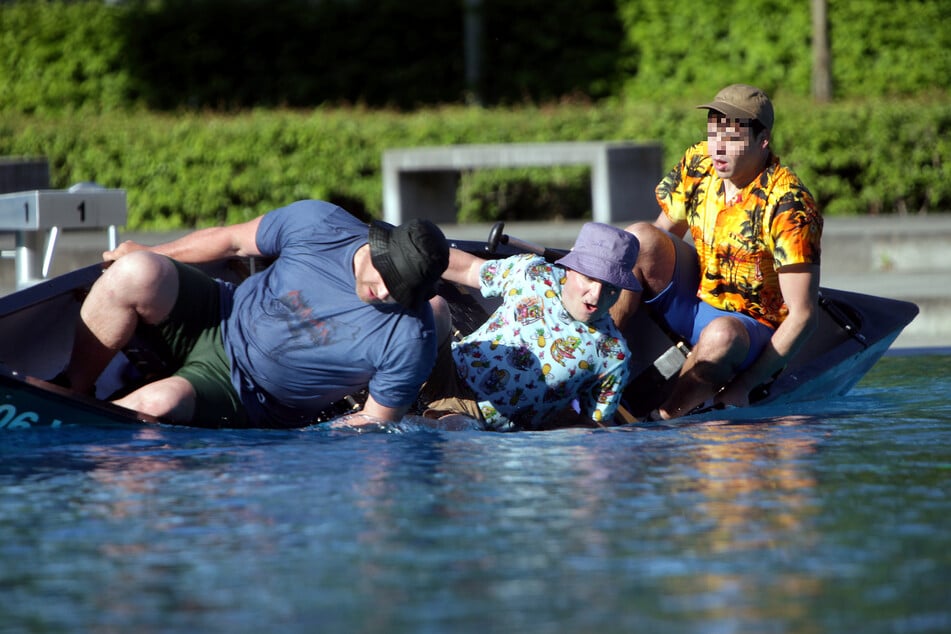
[{"x": 826, "y": 517}]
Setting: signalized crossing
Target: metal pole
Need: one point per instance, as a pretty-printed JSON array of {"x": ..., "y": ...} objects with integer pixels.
[
  {"x": 473, "y": 48},
  {"x": 29, "y": 245}
]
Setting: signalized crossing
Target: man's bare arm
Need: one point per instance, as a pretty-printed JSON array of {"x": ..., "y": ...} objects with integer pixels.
[
  {"x": 204, "y": 245},
  {"x": 800, "y": 287},
  {"x": 463, "y": 268}
]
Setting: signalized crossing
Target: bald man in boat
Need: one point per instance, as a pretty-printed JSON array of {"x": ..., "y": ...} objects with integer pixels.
[
  {"x": 745, "y": 295},
  {"x": 343, "y": 307}
]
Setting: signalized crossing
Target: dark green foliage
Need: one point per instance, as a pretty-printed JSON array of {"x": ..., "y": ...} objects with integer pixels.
[
  {"x": 878, "y": 47},
  {"x": 194, "y": 170},
  {"x": 241, "y": 53},
  {"x": 82, "y": 83},
  {"x": 543, "y": 50},
  {"x": 232, "y": 54},
  {"x": 693, "y": 50},
  {"x": 235, "y": 54},
  {"x": 56, "y": 56},
  {"x": 876, "y": 157},
  {"x": 884, "y": 48}
]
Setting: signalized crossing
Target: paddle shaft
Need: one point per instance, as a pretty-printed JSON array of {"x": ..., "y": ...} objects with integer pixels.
[{"x": 496, "y": 237}]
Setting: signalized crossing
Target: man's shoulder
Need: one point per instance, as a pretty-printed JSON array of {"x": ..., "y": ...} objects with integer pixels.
[
  {"x": 785, "y": 190},
  {"x": 409, "y": 324},
  {"x": 697, "y": 157},
  {"x": 312, "y": 214},
  {"x": 524, "y": 259},
  {"x": 520, "y": 264},
  {"x": 321, "y": 225},
  {"x": 782, "y": 176},
  {"x": 695, "y": 169}
]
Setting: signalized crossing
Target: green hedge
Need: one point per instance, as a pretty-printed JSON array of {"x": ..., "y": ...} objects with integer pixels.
[
  {"x": 226, "y": 72},
  {"x": 233, "y": 54},
  {"x": 223, "y": 54},
  {"x": 200, "y": 169},
  {"x": 878, "y": 48},
  {"x": 57, "y": 56}
]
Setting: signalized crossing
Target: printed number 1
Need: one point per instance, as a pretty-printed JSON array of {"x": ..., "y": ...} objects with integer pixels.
[{"x": 82, "y": 211}]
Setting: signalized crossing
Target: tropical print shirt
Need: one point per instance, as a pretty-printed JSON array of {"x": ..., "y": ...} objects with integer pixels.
[
  {"x": 741, "y": 243},
  {"x": 531, "y": 359}
]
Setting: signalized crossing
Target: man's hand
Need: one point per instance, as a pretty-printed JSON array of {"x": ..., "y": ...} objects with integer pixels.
[
  {"x": 359, "y": 421},
  {"x": 126, "y": 247},
  {"x": 735, "y": 394}
]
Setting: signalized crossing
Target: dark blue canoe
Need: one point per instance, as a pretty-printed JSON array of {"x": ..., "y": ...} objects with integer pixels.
[{"x": 37, "y": 325}]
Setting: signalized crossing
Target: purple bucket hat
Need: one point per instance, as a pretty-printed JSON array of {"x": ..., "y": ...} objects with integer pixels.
[{"x": 605, "y": 253}]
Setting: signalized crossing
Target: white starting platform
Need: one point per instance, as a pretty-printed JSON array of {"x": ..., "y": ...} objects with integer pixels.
[{"x": 37, "y": 217}]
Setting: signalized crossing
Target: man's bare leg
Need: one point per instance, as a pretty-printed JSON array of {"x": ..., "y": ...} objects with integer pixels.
[
  {"x": 712, "y": 363},
  {"x": 138, "y": 286},
  {"x": 654, "y": 269}
]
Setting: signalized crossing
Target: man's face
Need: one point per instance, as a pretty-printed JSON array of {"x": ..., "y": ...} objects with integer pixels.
[
  {"x": 369, "y": 283},
  {"x": 737, "y": 155},
  {"x": 586, "y": 299}
]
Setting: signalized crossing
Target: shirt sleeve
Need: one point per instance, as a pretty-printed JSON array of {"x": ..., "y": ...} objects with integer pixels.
[
  {"x": 497, "y": 276},
  {"x": 405, "y": 367},
  {"x": 678, "y": 188},
  {"x": 796, "y": 228}
]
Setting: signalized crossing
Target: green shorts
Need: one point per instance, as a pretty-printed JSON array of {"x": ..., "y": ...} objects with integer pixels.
[{"x": 190, "y": 340}]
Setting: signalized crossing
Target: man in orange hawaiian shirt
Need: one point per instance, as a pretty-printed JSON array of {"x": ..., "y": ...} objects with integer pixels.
[{"x": 745, "y": 295}]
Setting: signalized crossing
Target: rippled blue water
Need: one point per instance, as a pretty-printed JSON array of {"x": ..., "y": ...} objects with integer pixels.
[{"x": 835, "y": 517}]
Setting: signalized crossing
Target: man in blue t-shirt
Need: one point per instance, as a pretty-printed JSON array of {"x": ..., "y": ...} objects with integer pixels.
[{"x": 342, "y": 308}]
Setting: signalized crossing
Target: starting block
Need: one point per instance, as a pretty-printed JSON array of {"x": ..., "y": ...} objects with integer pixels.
[{"x": 37, "y": 217}]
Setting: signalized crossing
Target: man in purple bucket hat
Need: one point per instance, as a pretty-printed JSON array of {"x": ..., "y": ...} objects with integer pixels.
[{"x": 549, "y": 355}]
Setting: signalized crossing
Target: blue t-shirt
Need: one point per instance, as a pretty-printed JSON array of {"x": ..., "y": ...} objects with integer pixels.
[{"x": 299, "y": 338}]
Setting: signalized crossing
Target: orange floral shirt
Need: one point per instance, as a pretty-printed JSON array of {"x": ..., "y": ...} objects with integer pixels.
[{"x": 772, "y": 223}]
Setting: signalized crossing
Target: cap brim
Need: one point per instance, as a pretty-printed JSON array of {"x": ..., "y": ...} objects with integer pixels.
[{"x": 728, "y": 109}]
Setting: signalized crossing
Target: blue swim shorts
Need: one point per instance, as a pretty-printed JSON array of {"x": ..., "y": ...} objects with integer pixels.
[{"x": 687, "y": 315}]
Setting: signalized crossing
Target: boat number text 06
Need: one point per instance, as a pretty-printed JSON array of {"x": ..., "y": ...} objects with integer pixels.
[{"x": 11, "y": 419}]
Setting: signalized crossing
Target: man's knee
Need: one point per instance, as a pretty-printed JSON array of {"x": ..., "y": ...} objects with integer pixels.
[
  {"x": 724, "y": 339},
  {"x": 144, "y": 281},
  {"x": 656, "y": 258},
  {"x": 138, "y": 269},
  {"x": 649, "y": 236},
  {"x": 640, "y": 228}
]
